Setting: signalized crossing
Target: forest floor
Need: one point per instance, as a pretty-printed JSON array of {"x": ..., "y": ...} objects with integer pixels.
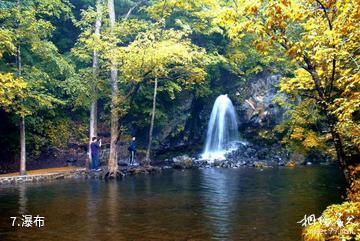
[{"x": 44, "y": 171}]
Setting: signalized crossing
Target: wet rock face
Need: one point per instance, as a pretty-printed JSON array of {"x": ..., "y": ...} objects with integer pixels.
[
  {"x": 182, "y": 129},
  {"x": 175, "y": 131},
  {"x": 255, "y": 155},
  {"x": 255, "y": 103}
]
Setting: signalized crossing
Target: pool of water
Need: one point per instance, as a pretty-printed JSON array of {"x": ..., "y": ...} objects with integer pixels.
[{"x": 206, "y": 204}]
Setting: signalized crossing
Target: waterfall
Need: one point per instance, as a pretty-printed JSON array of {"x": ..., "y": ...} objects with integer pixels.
[{"x": 222, "y": 130}]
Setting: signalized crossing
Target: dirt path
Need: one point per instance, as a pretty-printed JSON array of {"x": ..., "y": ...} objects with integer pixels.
[{"x": 43, "y": 171}]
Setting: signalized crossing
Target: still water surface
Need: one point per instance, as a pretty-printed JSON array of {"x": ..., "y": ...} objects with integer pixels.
[{"x": 206, "y": 204}]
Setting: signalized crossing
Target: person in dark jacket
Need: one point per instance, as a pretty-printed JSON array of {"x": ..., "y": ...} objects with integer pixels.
[
  {"x": 94, "y": 148},
  {"x": 132, "y": 150}
]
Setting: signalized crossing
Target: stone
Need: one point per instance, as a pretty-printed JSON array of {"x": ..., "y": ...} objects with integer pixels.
[
  {"x": 259, "y": 164},
  {"x": 291, "y": 164},
  {"x": 297, "y": 158},
  {"x": 182, "y": 162}
]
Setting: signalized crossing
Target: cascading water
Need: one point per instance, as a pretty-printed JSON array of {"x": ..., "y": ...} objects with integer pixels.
[{"x": 222, "y": 130}]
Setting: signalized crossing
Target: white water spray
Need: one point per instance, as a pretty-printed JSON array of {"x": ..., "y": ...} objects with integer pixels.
[{"x": 222, "y": 131}]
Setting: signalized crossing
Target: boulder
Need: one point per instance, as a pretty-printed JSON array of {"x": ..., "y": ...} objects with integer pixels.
[
  {"x": 182, "y": 162},
  {"x": 260, "y": 164},
  {"x": 297, "y": 158},
  {"x": 291, "y": 164}
]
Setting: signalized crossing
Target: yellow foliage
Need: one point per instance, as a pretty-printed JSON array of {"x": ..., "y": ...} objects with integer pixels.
[
  {"x": 311, "y": 140},
  {"x": 166, "y": 54},
  {"x": 10, "y": 88},
  {"x": 298, "y": 133},
  {"x": 337, "y": 222},
  {"x": 301, "y": 81}
]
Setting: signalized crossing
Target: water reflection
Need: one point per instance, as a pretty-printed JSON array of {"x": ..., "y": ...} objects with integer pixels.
[
  {"x": 218, "y": 201},
  {"x": 92, "y": 209},
  {"x": 22, "y": 199}
]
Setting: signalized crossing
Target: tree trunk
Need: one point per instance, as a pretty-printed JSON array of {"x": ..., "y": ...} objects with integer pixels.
[
  {"x": 22, "y": 147},
  {"x": 112, "y": 163},
  {"x": 147, "y": 158},
  {"x": 340, "y": 153},
  {"x": 22, "y": 120},
  {"x": 93, "y": 107},
  {"x": 93, "y": 127}
]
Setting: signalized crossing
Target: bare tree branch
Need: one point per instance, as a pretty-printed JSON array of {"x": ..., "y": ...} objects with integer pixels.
[{"x": 132, "y": 9}]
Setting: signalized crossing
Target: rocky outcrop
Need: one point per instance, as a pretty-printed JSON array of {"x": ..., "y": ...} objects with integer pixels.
[
  {"x": 254, "y": 102},
  {"x": 174, "y": 129},
  {"x": 254, "y": 155},
  {"x": 246, "y": 154}
]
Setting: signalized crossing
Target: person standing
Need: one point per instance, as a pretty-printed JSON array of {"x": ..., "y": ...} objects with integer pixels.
[
  {"x": 132, "y": 150},
  {"x": 94, "y": 148}
]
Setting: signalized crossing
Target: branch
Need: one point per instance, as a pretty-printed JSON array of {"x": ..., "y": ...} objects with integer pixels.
[
  {"x": 332, "y": 76},
  {"x": 311, "y": 96},
  {"x": 325, "y": 13},
  {"x": 333, "y": 72},
  {"x": 132, "y": 9},
  {"x": 311, "y": 69},
  {"x": 134, "y": 91},
  {"x": 136, "y": 87}
]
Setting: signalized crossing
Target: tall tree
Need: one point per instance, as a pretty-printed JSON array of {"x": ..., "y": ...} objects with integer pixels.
[
  {"x": 22, "y": 118},
  {"x": 95, "y": 70},
  {"x": 151, "y": 129},
  {"x": 112, "y": 163}
]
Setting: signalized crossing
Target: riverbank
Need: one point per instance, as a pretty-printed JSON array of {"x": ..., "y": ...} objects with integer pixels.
[
  {"x": 51, "y": 174},
  {"x": 179, "y": 162},
  {"x": 48, "y": 174}
]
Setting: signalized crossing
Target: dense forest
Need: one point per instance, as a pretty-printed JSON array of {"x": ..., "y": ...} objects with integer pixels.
[{"x": 74, "y": 69}]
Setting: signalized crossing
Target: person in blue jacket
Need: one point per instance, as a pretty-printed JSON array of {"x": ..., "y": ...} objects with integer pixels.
[{"x": 132, "y": 150}]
